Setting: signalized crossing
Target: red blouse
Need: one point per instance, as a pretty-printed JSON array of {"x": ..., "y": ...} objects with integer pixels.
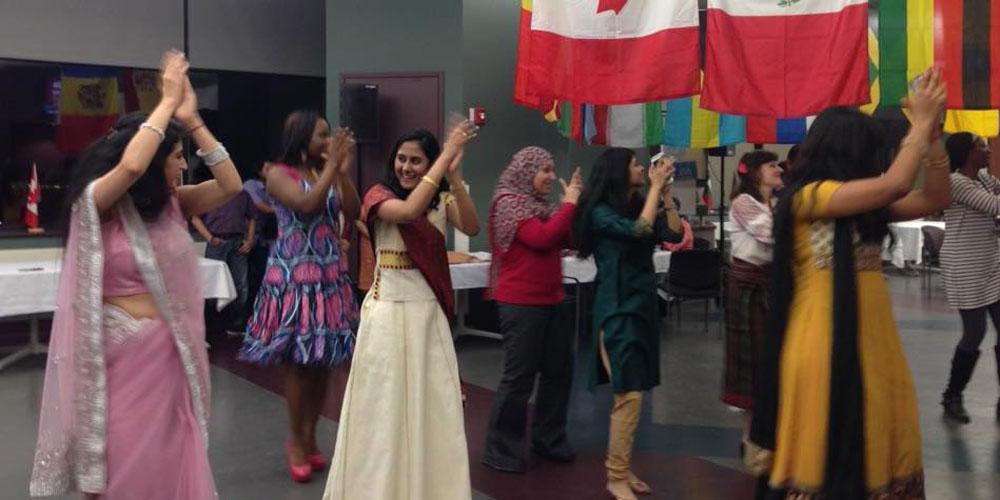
[{"x": 531, "y": 269}]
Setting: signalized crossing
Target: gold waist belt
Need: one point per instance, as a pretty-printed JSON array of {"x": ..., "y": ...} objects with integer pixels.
[{"x": 394, "y": 259}]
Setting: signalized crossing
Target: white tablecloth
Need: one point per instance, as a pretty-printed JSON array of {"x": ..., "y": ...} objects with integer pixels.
[
  {"x": 909, "y": 242},
  {"x": 476, "y": 274},
  {"x": 30, "y": 287}
]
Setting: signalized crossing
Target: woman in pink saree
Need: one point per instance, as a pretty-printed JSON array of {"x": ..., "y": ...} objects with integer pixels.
[{"x": 124, "y": 411}]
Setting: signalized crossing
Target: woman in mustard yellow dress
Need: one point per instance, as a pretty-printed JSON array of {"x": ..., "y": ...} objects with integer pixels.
[{"x": 835, "y": 409}]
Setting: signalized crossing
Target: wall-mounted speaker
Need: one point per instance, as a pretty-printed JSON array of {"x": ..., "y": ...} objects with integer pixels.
[{"x": 359, "y": 111}]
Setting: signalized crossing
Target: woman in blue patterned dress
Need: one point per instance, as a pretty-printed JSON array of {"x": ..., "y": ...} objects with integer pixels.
[{"x": 305, "y": 313}]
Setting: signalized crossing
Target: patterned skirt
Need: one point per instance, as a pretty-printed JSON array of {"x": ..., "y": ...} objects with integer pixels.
[
  {"x": 746, "y": 315},
  {"x": 305, "y": 313}
]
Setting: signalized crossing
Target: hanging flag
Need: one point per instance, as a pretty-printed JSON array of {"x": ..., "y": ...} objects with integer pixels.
[
  {"x": 88, "y": 106},
  {"x": 688, "y": 126},
  {"x": 571, "y": 120},
  {"x": 704, "y": 187},
  {"x": 907, "y": 47},
  {"x": 985, "y": 123},
  {"x": 873, "y": 74},
  {"x": 785, "y": 58},
  {"x": 141, "y": 88},
  {"x": 606, "y": 51},
  {"x": 626, "y": 126},
  {"x": 763, "y": 130},
  {"x": 34, "y": 197},
  {"x": 967, "y": 49}
]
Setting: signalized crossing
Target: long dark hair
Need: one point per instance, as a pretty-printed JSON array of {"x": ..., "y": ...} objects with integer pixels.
[
  {"x": 431, "y": 148},
  {"x": 296, "y": 136},
  {"x": 749, "y": 183},
  {"x": 843, "y": 144},
  {"x": 609, "y": 184},
  {"x": 151, "y": 192}
]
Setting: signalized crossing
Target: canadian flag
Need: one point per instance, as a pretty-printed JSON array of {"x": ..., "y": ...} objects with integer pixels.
[
  {"x": 34, "y": 196},
  {"x": 606, "y": 52}
]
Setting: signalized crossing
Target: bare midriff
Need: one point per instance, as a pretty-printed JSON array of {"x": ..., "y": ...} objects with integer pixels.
[{"x": 138, "y": 306}]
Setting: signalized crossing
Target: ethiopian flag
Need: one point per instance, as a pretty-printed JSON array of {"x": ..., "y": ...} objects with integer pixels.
[{"x": 88, "y": 106}]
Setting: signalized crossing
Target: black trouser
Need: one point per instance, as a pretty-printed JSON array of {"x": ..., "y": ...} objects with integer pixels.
[
  {"x": 974, "y": 325},
  {"x": 536, "y": 340},
  {"x": 256, "y": 265}
]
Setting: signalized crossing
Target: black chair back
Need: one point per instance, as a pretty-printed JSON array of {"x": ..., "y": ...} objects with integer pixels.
[{"x": 694, "y": 270}]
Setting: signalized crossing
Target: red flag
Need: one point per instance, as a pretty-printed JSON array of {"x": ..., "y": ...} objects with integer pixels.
[
  {"x": 34, "y": 196},
  {"x": 606, "y": 52},
  {"x": 785, "y": 59}
]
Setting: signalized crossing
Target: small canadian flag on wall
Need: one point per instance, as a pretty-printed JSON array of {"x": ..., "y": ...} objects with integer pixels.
[{"x": 34, "y": 196}]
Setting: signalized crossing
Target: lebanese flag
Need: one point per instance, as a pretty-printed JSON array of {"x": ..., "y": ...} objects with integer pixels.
[
  {"x": 785, "y": 58},
  {"x": 34, "y": 196},
  {"x": 606, "y": 52}
]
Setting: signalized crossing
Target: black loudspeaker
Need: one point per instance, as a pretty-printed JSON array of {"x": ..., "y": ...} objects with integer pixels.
[
  {"x": 359, "y": 111},
  {"x": 721, "y": 151}
]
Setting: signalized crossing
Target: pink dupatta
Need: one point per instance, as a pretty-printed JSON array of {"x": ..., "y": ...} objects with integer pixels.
[{"x": 72, "y": 430}]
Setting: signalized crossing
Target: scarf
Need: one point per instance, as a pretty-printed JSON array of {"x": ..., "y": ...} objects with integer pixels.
[{"x": 515, "y": 201}]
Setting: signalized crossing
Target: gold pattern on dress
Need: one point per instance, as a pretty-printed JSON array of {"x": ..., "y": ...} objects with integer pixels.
[
  {"x": 867, "y": 256},
  {"x": 394, "y": 259}
]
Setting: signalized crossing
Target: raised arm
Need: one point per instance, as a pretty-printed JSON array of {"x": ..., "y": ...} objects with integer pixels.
[
  {"x": 461, "y": 214},
  {"x": 289, "y": 192},
  {"x": 936, "y": 194},
  {"x": 415, "y": 205},
  {"x": 205, "y": 196},
  {"x": 864, "y": 195},
  {"x": 139, "y": 152}
]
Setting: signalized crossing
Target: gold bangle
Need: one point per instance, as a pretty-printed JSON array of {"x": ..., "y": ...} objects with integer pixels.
[{"x": 430, "y": 181}]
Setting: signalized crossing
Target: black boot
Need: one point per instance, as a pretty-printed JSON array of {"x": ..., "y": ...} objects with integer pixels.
[
  {"x": 996, "y": 352},
  {"x": 962, "y": 365}
]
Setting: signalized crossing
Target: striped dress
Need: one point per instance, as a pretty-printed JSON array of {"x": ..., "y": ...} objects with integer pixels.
[{"x": 970, "y": 256}]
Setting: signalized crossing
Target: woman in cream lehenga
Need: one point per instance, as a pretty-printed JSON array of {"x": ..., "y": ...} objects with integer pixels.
[
  {"x": 124, "y": 412},
  {"x": 401, "y": 433}
]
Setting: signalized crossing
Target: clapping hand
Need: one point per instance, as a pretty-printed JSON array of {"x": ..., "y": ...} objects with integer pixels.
[
  {"x": 173, "y": 75},
  {"x": 461, "y": 134},
  {"x": 572, "y": 190}
]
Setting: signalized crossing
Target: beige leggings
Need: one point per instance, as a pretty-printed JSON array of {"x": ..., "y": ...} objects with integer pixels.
[{"x": 624, "y": 420}]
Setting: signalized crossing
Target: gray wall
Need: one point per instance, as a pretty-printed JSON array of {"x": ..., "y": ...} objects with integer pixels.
[
  {"x": 261, "y": 36},
  {"x": 110, "y": 32},
  {"x": 264, "y": 36},
  {"x": 381, "y": 36}
]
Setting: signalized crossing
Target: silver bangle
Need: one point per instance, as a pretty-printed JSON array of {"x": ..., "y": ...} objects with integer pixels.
[
  {"x": 214, "y": 157},
  {"x": 159, "y": 131}
]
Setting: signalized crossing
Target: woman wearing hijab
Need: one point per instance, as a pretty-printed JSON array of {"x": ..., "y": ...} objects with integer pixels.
[{"x": 526, "y": 238}]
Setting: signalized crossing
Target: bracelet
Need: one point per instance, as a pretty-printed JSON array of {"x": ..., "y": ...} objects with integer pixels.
[
  {"x": 912, "y": 140},
  {"x": 215, "y": 156},
  {"x": 159, "y": 131},
  {"x": 430, "y": 181},
  {"x": 196, "y": 127}
]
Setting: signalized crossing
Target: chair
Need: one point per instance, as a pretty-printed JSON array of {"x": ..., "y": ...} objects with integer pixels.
[
  {"x": 931, "y": 252},
  {"x": 694, "y": 275}
]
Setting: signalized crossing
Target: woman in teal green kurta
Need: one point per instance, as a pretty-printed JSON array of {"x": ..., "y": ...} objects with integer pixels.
[{"x": 621, "y": 230}]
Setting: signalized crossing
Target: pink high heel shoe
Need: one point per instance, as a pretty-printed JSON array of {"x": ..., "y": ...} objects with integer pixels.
[
  {"x": 300, "y": 473},
  {"x": 317, "y": 461}
]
